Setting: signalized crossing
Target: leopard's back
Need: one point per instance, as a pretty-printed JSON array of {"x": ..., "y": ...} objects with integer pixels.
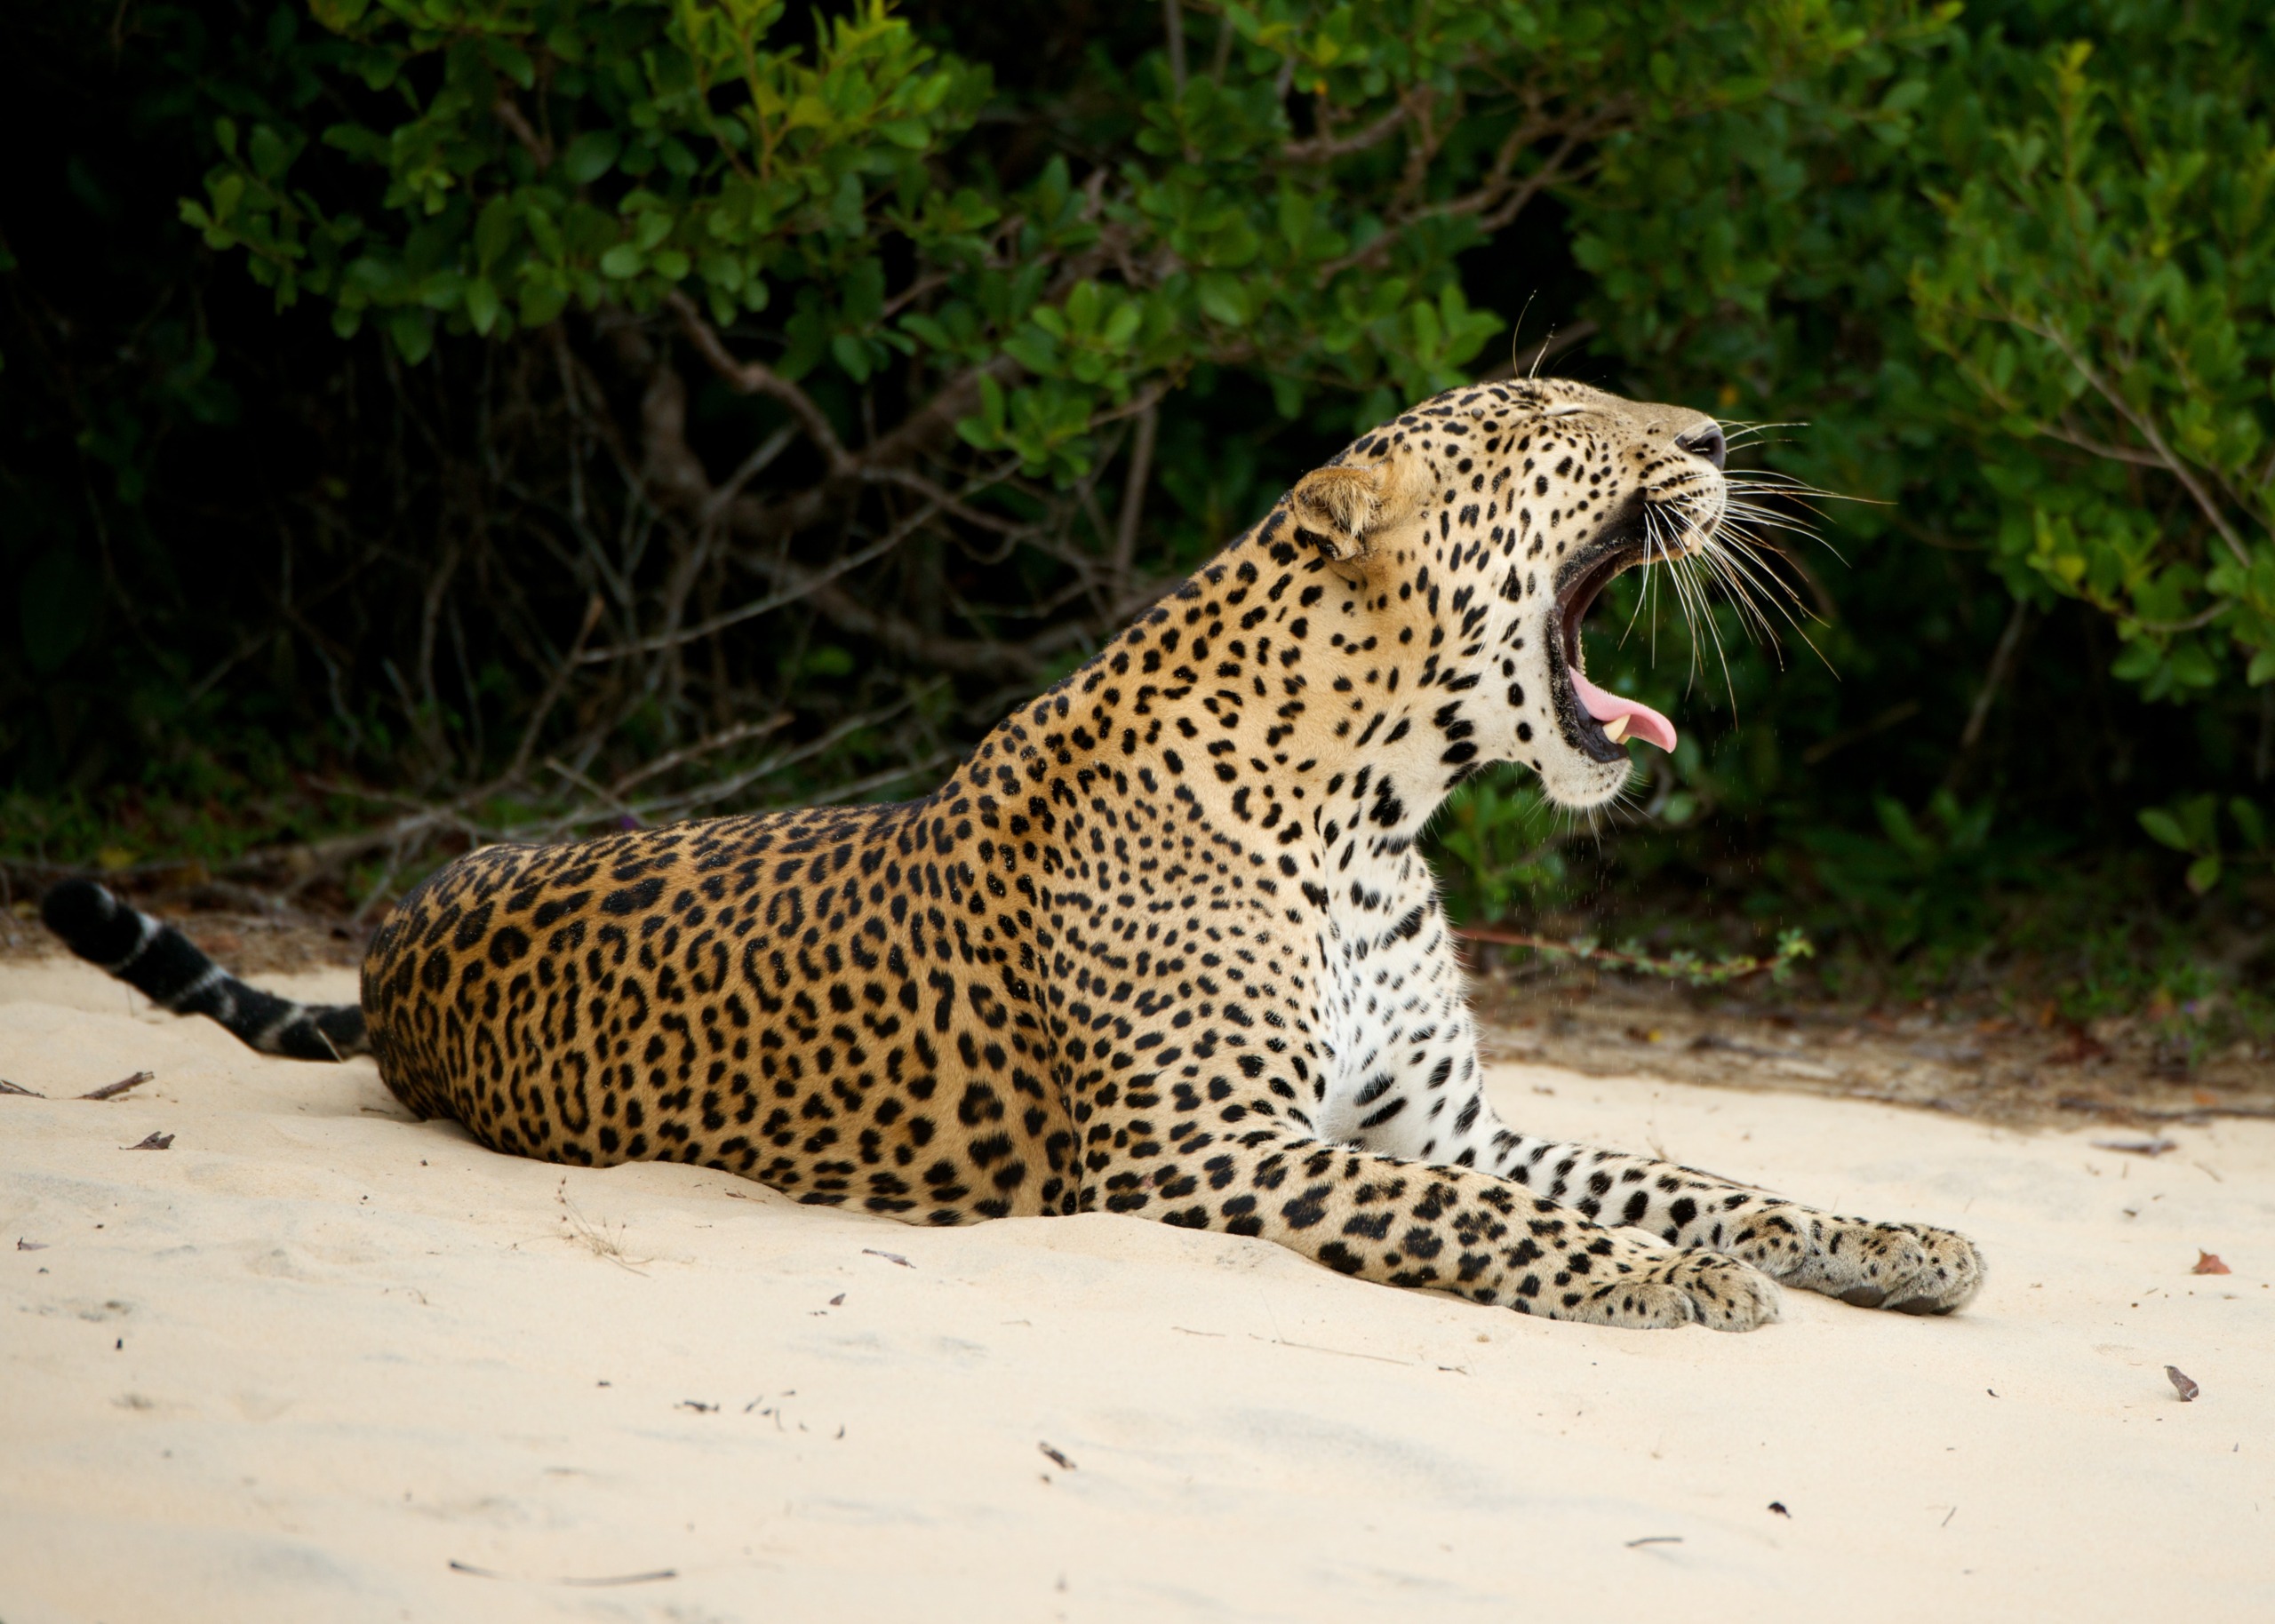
[{"x": 821, "y": 999}]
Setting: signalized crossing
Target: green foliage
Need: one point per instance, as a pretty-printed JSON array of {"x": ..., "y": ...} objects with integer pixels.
[
  {"x": 488, "y": 399},
  {"x": 2018, "y": 291},
  {"x": 1690, "y": 969},
  {"x": 2194, "y": 826},
  {"x": 665, "y": 146},
  {"x": 1930, "y": 877},
  {"x": 524, "y": 159},
  {"x": 1498, "y": 849},
  {"x": 2107, "y": 284}
]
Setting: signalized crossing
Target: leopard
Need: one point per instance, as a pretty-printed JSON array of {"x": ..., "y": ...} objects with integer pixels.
[{"x": 1165, "y": 945}]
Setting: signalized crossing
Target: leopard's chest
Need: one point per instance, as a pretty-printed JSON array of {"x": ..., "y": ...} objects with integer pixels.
[{"x": 1393, "y": 1011}]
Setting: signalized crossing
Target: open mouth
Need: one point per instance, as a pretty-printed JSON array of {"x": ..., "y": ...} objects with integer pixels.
[{"x": 1597, "y": 722}]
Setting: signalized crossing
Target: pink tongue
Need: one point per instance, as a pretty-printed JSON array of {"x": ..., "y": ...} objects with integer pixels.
[{"x": 1643, "y": 722}]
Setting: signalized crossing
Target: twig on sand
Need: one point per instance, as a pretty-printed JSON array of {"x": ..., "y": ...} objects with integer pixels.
[
  {"x": 599, "y": 1242},
  {"x": 889, "y": 1257},
  {"x": 155, "y": 1142},
  {"x": 1793, "y": 946},
  {"x": 108, "y": 1091},
  {"x": 111, "y": 1091},
  {"x": 1054, "y": 1455},
  {"x": 2188, "y": 1113},
  {"x": 610, "y": 1578},
  {"x": 1346, "y": 1353},
  {"x": 1656, "y": 1538}
]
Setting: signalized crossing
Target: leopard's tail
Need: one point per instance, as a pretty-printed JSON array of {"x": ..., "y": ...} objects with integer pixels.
[{"x": 174, "y": 973}]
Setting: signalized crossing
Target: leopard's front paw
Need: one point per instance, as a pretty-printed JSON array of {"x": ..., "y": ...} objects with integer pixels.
[
  {"x": 1688, "y": 1288},
  {"x": 1910, "y": 1268}
]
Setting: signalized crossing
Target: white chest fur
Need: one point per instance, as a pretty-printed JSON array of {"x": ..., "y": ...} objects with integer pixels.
[{"x": 1402, "y": 1047}]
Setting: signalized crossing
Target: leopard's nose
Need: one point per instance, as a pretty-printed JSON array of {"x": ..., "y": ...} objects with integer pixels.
[{"x": 1705, "y": 440}]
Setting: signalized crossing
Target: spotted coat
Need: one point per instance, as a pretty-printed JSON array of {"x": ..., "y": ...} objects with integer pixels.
[{"x": 1163, "y": 946}]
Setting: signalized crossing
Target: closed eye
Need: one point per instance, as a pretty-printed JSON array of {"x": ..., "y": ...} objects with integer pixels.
[{"x": 1562, "y": 411}]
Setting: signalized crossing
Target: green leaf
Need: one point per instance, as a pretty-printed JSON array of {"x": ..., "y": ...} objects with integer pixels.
[
  {"x": 493, "y": 230},
  {"x": 2164, "y": 829},
  {"x": 2137, "y": 662},
  {"x": 413, "y": 332},
  {"x": 851, "y": 353},
  {"x": 625, "y": 260},
  {"x": 2203, "y": 874},
  {"x": 2193, "y": 666},
  {"x": 510, "y": 59},
  {"x": 482, "y": 305},
  {"x": 268, "y": 153},
  {"x": 542, "y": 303},
  {"x": 590, "y": 157},
  {"x": 723, "y": 272},
  {"x": 1222, "y": 298}
]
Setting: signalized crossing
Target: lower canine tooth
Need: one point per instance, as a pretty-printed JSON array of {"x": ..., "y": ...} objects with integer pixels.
[{"x": 1616, "y": 729}]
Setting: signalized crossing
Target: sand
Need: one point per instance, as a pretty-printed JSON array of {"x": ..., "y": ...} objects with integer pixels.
[{"x": 317, "y": 1361}]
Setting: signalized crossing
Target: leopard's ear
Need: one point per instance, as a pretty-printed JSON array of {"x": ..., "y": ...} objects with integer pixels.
[{"x": 1336, "y": 509}]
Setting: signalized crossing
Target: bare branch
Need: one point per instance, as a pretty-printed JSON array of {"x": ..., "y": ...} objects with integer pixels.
[
  {"x": 752, "y": 466},
  {"x": 807, "y": 586},
  {"x": 1133, "y": 495},
  {"x": 891, "y": 775},
  {"x": 908, "y": 479},
  {"x": 911, "y": 643},
  {"x": 1322, "y": 149},
  {"x": 725, "y": 738},
  {"x": 2069, "y": 435},
  {"x": 517, "y": 125},
  {"x": 2201, "y": 618},
  {"x": 556, "y": 685},
  {"x": 1498, "y": 199},
  {"x": 756, "y": 378},
  {"x": 2002, "y": 659},
  {"x": 2146, "y": 429}
]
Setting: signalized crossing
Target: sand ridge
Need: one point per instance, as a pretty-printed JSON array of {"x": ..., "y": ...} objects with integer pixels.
[{"x": 315, "y": 1360}]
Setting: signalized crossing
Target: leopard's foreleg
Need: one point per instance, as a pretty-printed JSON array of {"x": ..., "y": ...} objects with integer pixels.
[
  {"x": 1449, "y": 1229},
  {"x": 1910, "y": 1268}
]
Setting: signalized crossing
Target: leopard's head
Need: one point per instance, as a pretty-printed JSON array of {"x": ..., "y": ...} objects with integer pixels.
[{"x": 1480, "y": 528}]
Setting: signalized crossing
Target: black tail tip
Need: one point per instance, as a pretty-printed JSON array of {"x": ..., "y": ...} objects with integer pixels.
[{"x": 76, "y": 909}]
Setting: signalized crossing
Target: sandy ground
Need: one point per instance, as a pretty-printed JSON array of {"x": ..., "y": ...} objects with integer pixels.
[{"x": 318, "y": 1362}]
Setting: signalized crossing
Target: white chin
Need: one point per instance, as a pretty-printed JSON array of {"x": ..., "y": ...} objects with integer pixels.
[{"x": 1578, "y": 782}]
